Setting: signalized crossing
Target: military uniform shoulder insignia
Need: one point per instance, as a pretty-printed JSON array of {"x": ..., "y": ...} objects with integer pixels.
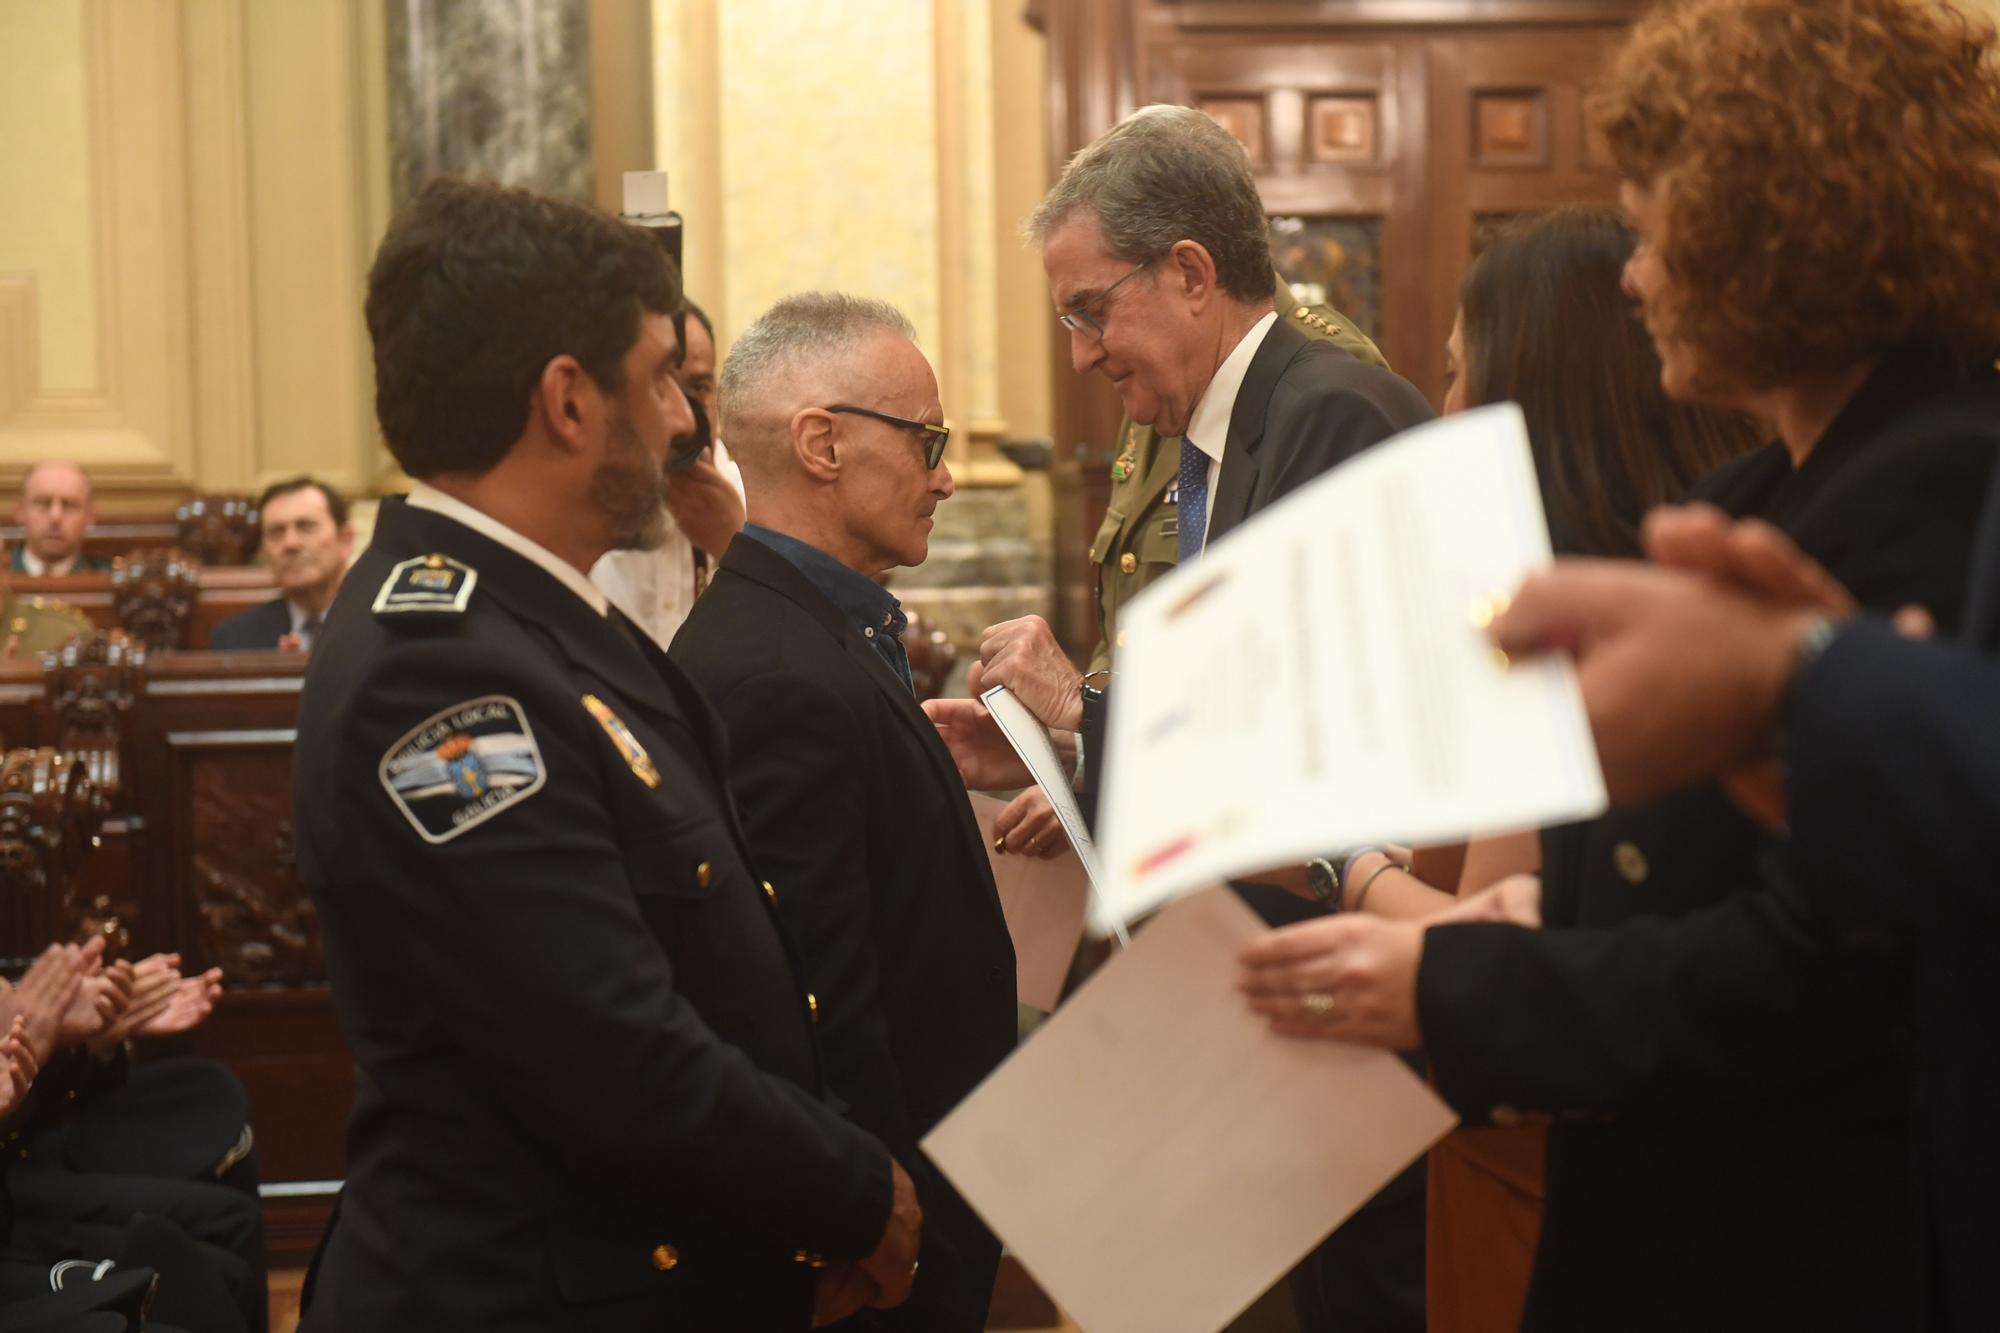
[
  {"x": 1128, "y": 453},
  {"x": 629, "y": 749},
  {"x": 458, "y": 768},
  {"x": 427, "y": 584}
]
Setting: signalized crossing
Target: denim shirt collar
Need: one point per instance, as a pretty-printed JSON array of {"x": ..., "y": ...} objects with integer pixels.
[{"x": 860, "y": 599}]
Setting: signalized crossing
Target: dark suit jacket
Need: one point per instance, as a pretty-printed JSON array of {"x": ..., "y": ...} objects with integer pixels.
[
  {"x": 858, "y": 813},
  {"x": 1304, "y": 407},
  {"x": 587, "y": 1087},
  {"x": 1731, "y": 1148},
  {"x": 258, "y": 628},
  {"x": 1895, "y": 808}
]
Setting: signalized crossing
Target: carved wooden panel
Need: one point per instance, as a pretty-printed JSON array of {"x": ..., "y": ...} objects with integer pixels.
[
  {"x": 152, "y": 593},
  {"x": 92, "y": 682},
  {"x": 1333, "y": 261},
  {"x": 1243, "y": 117},
  {"x": 1510, "y": 129},
  {"x": 49, "y": 816},
  {"x": 251, "y": 915},
  {"x": 218, "y": 529},
  {"x": 1342, "y": 128}
]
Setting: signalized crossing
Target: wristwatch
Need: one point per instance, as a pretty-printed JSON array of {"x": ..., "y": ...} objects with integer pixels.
[{"x": 1323, "y": 880}]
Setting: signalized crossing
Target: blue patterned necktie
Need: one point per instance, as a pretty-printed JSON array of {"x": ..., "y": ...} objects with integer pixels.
[{"x": 1193, "y": 502}]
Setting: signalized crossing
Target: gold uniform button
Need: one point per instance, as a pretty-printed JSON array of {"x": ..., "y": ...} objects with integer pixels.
[
  {"x": 770, "y": 892},
  {"x": 1631, "y": 863},
  {"x": 703, "y": 873},
  {"x": 1128, "y": 563},
  {"x": 666, "y": 1258},
  {"x": 812, "y": 1006},
  {"x": 1302, "y": 312},
  {"x": 1504, "y": 1116}
]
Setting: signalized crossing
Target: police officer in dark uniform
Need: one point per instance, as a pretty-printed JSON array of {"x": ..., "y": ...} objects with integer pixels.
[{"x": 588, "y": 1091}]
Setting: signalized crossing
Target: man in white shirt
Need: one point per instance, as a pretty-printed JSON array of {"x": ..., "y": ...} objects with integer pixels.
[
  {"x": 704, "y": 510},
  {"x": 55, "y": 512}
]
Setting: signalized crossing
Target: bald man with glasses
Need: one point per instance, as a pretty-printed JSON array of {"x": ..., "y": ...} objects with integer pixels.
[{"x": 846, "y": 790}]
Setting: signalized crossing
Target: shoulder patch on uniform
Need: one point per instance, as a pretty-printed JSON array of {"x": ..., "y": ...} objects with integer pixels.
[
  {"x": 462, "y": 766},
  {"x": 434, "y": 584}
]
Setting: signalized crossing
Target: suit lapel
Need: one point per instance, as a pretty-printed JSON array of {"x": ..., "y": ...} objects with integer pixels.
[
  {"x": 750, "y": 559},
  {"x": 1240, "y": 462}
]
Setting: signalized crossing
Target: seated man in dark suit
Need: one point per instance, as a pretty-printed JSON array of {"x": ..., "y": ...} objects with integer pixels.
[
  {"x": 55, "y": 512},
  {"x": 306, "y": 541},
  {"x": 846, "y": 790}
]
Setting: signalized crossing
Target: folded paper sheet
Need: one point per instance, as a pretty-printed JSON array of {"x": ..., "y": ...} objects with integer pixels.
[
  {"x": 1044, "y": 901},
  {"x": 1319, "y": 679},
  {"x": 1155, "y": 1157}
]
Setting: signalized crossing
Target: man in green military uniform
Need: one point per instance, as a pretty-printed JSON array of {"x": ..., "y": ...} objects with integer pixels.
[
  {"x": 32, "y": 625},
  {"x": 1136, "y": 542}
]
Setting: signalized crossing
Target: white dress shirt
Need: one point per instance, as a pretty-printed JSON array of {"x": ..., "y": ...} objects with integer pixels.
[
  {"x": 657, "y": 588},
  {"x": 1208, "y": 427},
  {"x": 429, "y": 497}
]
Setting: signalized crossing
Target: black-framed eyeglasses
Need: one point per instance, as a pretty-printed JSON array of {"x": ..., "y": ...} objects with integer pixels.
[
  {"x": 933, "y": 438},
  {"x": 1079, "y": 320}
]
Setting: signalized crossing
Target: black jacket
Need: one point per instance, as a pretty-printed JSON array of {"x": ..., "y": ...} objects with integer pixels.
[
  {"x": 257, "y": 629},
  {"x": 587, "y": 1084},
  {"x": 1305, "y": 406},
  {"x": 858, "y": 813},
  {"x": 1732, "y": 1134},
  {"x": 1895, "y": 808}
]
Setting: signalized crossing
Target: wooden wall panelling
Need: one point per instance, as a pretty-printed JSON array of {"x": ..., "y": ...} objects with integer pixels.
[{"x": 1095, "y": 71}]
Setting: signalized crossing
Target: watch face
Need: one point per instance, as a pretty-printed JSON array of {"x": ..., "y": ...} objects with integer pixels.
[{"x": 1321, "y": 880}]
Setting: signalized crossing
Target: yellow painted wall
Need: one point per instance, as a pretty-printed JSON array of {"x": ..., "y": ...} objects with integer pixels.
[
  {"x": 45, "y": 195},
  {"x": 889, "y": 149}
]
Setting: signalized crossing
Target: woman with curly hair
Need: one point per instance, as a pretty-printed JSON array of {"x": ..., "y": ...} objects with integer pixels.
[{"x": 1817, "y": 188}]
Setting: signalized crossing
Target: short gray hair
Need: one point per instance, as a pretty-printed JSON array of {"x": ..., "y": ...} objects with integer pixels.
[
  {"x": 1166, "y": 174},
  {"x": 799, "y": 333}
]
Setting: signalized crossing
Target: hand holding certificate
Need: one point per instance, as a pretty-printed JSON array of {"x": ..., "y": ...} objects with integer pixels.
[{"x": 1319, "y": 679}]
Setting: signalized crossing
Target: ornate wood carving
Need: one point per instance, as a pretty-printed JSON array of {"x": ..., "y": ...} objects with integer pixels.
[
  {"x": 253, "y": 916},
  {"x": 218, "y": 529},
  {"x": 152, "y": 593},
  {"x": 49, "y": 817},
  {"x": 92, "y": 682}
]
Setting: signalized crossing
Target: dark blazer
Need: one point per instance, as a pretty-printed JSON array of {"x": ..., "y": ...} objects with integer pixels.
[
  {"x": 1305, "y": 406},
  {"x": 258, "y": 628},
  {"x": 860, "y": 818},
  {"x": 587, "y": 1089},
  {"x": 1731, "y": 1142},
  {"x": 1895, "y": 809}
]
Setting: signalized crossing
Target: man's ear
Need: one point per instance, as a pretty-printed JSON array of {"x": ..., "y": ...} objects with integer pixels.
[
  {"x": 1192, "y": 271},
  {"x": 566, "y": 399},
  {"x": 816, "y": 442}
]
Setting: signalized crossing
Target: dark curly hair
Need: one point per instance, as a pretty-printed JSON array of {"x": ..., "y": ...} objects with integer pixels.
[
  {"x": 1828, "y": 173},
  {"x": 1546, "y": 326},
  {"x": 475, "y": 289}
]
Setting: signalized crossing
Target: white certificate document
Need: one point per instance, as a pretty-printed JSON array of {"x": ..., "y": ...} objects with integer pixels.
[
  {"x": 1319, "y": 679},
  {"x": 1155, "y": 1157},
  {"x": 1044, "y": 901},
  {"x": 1030, "y": 739}
]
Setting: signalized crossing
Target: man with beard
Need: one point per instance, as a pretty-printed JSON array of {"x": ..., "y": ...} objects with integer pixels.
[
  {"x": 587, "y": 1093},
  {"x": 306, "y": 541}
]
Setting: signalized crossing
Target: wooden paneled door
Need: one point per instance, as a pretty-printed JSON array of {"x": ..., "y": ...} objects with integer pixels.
[{"x": 1385, "y": 135}]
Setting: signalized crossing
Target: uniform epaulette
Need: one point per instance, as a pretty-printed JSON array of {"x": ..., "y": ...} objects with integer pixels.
[
  {"x": 1305, "y": 314},
  {"x": 427, "y": 585}
]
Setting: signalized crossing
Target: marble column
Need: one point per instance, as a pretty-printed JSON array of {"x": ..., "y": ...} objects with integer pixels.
[{"x": 490, "y": 88}]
